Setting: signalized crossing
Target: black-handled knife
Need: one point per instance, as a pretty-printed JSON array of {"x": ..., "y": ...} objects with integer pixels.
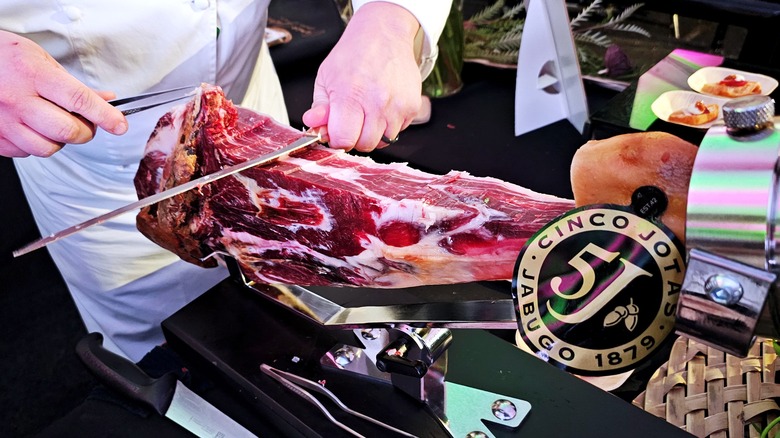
[{"x": 166, "y": 395}]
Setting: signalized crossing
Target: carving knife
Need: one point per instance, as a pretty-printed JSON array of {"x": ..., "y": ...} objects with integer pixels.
[
  {"x": 306, "y": 140},
  {"x": 166, "y": 395}
]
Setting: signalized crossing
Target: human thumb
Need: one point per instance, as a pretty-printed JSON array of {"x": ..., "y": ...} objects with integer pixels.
[{"x": 317, "y": 115}]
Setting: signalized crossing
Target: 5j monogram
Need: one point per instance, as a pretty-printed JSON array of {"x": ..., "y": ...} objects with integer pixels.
[{"x": 596, "y": 289}]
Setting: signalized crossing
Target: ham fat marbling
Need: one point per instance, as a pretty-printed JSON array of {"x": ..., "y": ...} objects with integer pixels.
[{"x": 323, "y": 216}]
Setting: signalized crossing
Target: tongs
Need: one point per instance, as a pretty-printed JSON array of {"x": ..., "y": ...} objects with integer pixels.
[
  {"x": 176, "y": 93},
  {"x": 298, "y": 385}
]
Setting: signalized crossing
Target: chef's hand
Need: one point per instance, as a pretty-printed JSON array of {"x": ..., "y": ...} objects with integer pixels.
[
  {"x": 369, "y": 86},
  {"x": 42, "y": 107}
]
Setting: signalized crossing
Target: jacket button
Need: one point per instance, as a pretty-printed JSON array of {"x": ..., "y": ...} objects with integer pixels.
[
  {"x": 201, "y": 4},
  {"x": 73, "y": 13}
]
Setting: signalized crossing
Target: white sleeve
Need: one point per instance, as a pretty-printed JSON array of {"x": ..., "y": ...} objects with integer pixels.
[{"x": 431, "y": 14}]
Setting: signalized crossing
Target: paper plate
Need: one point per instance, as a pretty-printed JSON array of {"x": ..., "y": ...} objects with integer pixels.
[
  {"x": 672, "y": 101},
  {"x": 709, "y": 75}
]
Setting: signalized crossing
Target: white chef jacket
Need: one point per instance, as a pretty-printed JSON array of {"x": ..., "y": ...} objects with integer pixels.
[{"x": 123, "y": 284}]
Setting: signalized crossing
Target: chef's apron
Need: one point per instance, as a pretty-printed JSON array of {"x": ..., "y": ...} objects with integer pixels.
[{"x": 123, "y": 284}]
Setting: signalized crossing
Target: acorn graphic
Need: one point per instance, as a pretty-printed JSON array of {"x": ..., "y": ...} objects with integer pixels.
[
  {"x": 615, "y": 316},
  {"x": 633, "y": 315},
  {"x": 628, "y": 314}
]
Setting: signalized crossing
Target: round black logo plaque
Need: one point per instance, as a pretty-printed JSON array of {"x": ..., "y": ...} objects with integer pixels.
[{"x": 595, "y": 290}]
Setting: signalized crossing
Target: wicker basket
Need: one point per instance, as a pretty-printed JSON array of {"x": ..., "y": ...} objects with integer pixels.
[{"x": 712, "y": 394}]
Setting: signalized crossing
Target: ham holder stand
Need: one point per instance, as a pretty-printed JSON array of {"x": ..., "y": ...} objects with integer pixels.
[
  {"x": 432, "y": 361},
  {"x": 405, "y": 345}
]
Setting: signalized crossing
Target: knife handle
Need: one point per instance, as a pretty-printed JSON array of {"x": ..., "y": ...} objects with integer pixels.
[{"x": 125, "y": 377}]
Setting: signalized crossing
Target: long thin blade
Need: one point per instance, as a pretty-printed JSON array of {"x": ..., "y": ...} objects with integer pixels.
[
  {"x": 190, "y": 88},
  {"x": 177, "y": 93},
  {"x": 302, "y": 142},
  {"x": 195, "y": 414}
]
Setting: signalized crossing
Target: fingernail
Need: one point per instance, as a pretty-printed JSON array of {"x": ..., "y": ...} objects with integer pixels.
[{"x": 120, "y": 128}]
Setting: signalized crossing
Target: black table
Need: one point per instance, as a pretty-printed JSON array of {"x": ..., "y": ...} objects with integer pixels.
[{"x": 230, "y": 330}]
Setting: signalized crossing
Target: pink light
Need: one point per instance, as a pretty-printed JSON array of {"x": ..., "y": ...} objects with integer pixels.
[{"x": 702, "y": 59}]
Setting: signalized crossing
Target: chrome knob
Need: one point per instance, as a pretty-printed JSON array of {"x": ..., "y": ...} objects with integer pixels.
[{"x": 749, "y": 113}]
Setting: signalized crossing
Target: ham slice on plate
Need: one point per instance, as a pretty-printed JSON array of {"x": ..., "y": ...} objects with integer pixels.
[{"x": 323, "y": 216}]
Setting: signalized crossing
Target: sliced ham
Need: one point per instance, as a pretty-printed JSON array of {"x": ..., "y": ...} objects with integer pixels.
[{"x": 323, "y": 216}]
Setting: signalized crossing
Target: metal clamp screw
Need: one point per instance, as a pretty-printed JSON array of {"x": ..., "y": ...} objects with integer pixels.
[
  {"x": 504, "y": 409},
  {"x": 368, "y": 334},
  {"x": 344, "y": 356},
  {"x": 723, "y": 289}
]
